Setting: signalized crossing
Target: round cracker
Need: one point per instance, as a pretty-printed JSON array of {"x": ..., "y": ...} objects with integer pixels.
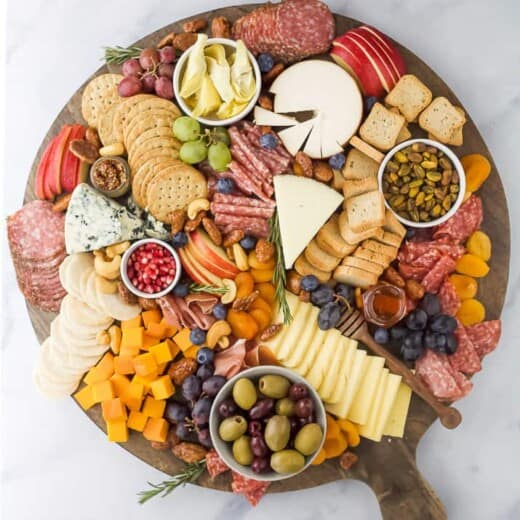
[
  {"x": 122, "y": 112},
  {"x": 156, "y": 143},
  {"x": 140, "y": 175},
  {"x": 99, "y": 95},
  {"x": 174, "y": 188},
  {"x": 148, "y": 105},
  {"x": 156, "y": 169},
  {"x": 105, "y": 125},
  {"x": 157, "y": 152},
  {"x": 146, "y": 120},
  {"x": 158, "y": 131}
]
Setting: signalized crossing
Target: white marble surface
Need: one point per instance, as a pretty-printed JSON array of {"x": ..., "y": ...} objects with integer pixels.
[{"x": 57, "y": 465}]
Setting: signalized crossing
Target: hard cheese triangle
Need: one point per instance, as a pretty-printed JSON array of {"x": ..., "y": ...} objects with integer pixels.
[
  {"x": 294, "y": 137},
  {"x": 303, "y": 205}
]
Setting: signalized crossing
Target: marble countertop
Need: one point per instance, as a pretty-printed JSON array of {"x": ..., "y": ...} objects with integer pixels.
[{"x": 57, "y": 465}]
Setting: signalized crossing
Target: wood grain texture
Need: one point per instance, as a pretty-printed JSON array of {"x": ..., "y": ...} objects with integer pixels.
[{"x": 387, "y": 467}]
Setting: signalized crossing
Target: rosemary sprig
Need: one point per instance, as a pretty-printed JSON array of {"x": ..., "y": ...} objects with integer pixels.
[
  {"x": 211, "y": 289},
  {"x": 279, "y": 268},
  {"x": 190, "y": 474},
  {"x": 119, "y": 54}
]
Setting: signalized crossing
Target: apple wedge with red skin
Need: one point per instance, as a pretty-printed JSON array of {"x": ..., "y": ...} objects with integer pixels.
[
  {"x": 195, "y": 271},
  {"x": 70, "y": 163},
  {"x": 54, "y": 173},
  {"x": 39, "y": 180}
]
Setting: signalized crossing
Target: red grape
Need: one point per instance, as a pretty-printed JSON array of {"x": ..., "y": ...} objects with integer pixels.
[
  {"x": 164, "y": 88},
  {"x": 129, "y": 86},
  {"x": 131, "y": 68},
  {"x": 167, "y": 54},
  {"x": 166, "y": 70},
  {"x": 149, "y": 58},
  {"x": 148, "y": 82}
]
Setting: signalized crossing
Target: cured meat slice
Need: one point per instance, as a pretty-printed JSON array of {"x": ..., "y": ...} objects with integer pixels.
[
  {"x": 466, "y": 220},
  {"x": 465, "y": 359},
  {"x": 485, "y": 336},
  {"x": 449, "y": 299},
  {"x": 239, "y": 142},
  {"x": 241, "y": 211},
  {"x": 464, "y": 384},
  {"x": 214, "y": 464},
  {"x": 237, "y": 200},
  {"x": 412, "y": 272},
  {"x": 202, "y": 302},
  {"x": 229, "y": 362},
  {"x": 250, "y": 225},
  {"x": 435, "y": 370},
  {"x": 410, "y": 251},
  {"x": 436, "y": 275},
  {"x": 253, "y": 490}
]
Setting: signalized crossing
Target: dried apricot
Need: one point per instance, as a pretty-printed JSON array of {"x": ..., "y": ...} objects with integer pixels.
[
  {"x": 351, "y": 431},
  {"x": 256, "y": 264},
  {"x": 333, "y": 429},
  {"x": 320, "y": 458},
  {"x": 479, "y": 244},
  {"x": 242, "y": 324},
  {"x": 260, "y": 303},
  {"x": 334, "y": 446},
  {"x": 472, "y": 265},
  {"x": 477, "y": 169},
  {"x": 245, "y": 284},
  {"x": 267, "y": 291},
  {"x": 262, "y": 275},
  {"x": 262, "y": 318},
  {"x": 471, "y": 311},
  {"x": 465, "y": 286}
]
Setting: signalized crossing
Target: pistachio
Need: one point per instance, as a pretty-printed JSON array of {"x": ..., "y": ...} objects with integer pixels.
[
  {"x": 417, "y": 183},
  {"x": 445, "y": 163},
  {"x": 401, "y": 157},
  {"x": 429, "y": 165},
  {"x": 413, "y": 192},
  {"x": 434, "y": 176},
  {"x": 420, "y": 198},
  {"x": 446, "y": 202},
  {"x": 419, "y": 171},
  {"x": 446, "y": 177},
  {"x": 418, "y": 147},
  {"x": 415, "y": 157}
]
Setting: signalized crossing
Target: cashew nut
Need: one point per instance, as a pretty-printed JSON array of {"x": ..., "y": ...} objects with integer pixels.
[
  {"x": 102, "y": 337},
  {"x": 223, "y": 342},
  {"x": 105, "y": 286},
  {"x": 108, "y": 269},
  {"x": 112, "y": 149},
  {"x": 117, "y": 249},
  {"x": 240, "y": 257},
  {"x": 99, "y": 252},
  {"x": 195, "y": 206},
  {"x": 231, "y": 292},
  {"x": 115, "y": 338},
  {"x": 216, "y": 331}
]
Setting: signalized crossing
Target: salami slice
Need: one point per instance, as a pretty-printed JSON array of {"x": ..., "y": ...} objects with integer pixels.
[
  {"x": 465, "y": 221},
  {"x": 241, "y": 211},
  {"x": 253, "y": 490},
  {"x": 214, "y": 464},
  {"x": 449, "y": 299},
  {"x": 485, "y": 336},
  {"x": 411, "y": 251},
  {"x": 237, "y": 200},
  {"x": 464, "y": 384},
  {"x": 411, "y": 272},
  {"x": 465, "y": 359},
  {"x": 436, "y": 275},
  {"x": 434, "y": 369},
  {"x": 250, "y": 225},
  {"x": 255, "y": 164}
]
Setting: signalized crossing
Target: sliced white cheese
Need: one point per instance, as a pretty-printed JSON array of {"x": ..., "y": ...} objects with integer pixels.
[
  {"x": 313, "y": 145},
  {"x": 366, "y": 429},
  {"x": 294, "y": 137},
  {"x": 339, "y": 390},
  {"x": 322, "y": 363},
  {"x": 300, "y": 320},
  {"x": 389, "y": 394},
  {"x": 307, "y": 335},
  {"x": 269, "y": 118},
  {"x": 303, "y": 205},
  {"x": 335, "y": 373},
  {"x": 277, "y": 341},
  {"x": 397, "y": 417},
  {"x": 312, "y": 353}
]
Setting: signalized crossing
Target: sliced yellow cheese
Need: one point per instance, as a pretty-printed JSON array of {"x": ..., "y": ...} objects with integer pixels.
[
  {"x": 354, "y": 378},
  {"x": 275, "y": 343},
  {"x": 292, "y": 336},
  {"x": 312, "y": 352},
  {"x": 324, "y": 359},
  {"x": 397, "y": 418},
  {"x": 363, "y": 400},
  {"x": 340, "y": 388},
  {"x": 366, "y": 430},
  {"x": 336, "y": 373},
  {"x": 307, "y": 334},
  {"x": 389, "y": 394}
]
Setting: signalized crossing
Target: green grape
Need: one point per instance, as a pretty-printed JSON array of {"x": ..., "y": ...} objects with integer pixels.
[
  {"x": 193, "y": 152},
  {"x": 219, "y": 156},
  {"x": 186, "y": 129},
  {"x": 220, "y": 134}
]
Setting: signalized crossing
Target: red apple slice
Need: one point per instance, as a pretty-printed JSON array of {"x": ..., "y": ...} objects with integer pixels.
[
  {"x": 39, "y": 180},
  {"x": 49, "y": 178},
  {"x": 57, "y": 158},
  {"x": 70, "y": 163},
  {"x": 199, "y": 270},
  {"x": 210, "y": 255},
  {"x": 190, "y": 269}
]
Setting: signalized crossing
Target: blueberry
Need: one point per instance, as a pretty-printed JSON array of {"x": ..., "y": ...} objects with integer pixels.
[
  {"x": 430, "y": 340},
  {"x": 265, "y": 62},
  {"x": 430, "y": 304},
  {"x": 336, "y": 162},
  {"x": 197, "y": 336},
  {"x": 329, "y": 316},
  {"x": 268, "y": 141},
  {"x": 346, "y": 291},
  {"x": 205, "y": 355},
  {"x": 205, "y": 371},
  {"x": 370, "y": 101},
  {"x": 309, "y": 283},
  {"x": 220, "y": 311},
  {"x": 381, "y": 335},
  {"x": 410, "y": 232},
  {"x": 179, "y": 240},
  {"x": 417, "y": 320},
  {"x": 443, "y": 323},
  {"x": 414, "y": 339},
  {"x": 452, "y": 343},
  {"x": 181, "y": 290},
  {"x": 398, "y": 332},
  {"x": 225, "y": 185},
  {"x": 248, "y": 242},
  {"x": 440, "y": 342},
  {"x": 322, "y": 295},
  {"x": 410, "y": 353}
]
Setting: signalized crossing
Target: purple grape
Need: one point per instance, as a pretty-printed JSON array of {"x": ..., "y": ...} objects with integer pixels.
[
  {"x": 131, "y": 68},
  {"x": 205, "y": 371},
  {"x": 260, "y": 465},
  {"x": 258, "y": 446},
  {"x": 149, "y": 58},
  {"x": 129, "y": 86},
  {"x": 165, "y": 70},
  {"x": 204, "y": 438},
  {"x": 295, "y": 425},
  {"x": 164, "y": 88},
  {"x": 167, "y": 54},
  {"x": 183, "y": 431},
  {"x": 200, "y": 412},
  {"x": 191, "y": 388},
  {"x": 255, "y": 428},
  {"x": 227, "y": 408},
  {"x": 211, "y": 387},
  {"x": 148, "y": 81},
  {"x": 176, "y": 412}
]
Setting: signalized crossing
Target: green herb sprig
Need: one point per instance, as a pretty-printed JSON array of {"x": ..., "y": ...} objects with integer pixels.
[
  {"x": 191, "y": 473},
  {"x": 117, "y": 55},
  {"x": 279, "y": 268},
  {"x": 210, "y": 289}
]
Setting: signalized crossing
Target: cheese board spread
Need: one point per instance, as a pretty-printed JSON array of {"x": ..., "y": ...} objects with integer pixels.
[{"x": 266, "y": 252}]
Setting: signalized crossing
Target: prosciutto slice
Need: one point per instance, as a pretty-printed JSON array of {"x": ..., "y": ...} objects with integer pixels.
[
  {"x": 229, "y": 362},
  {"x": 179, "y": 313}
]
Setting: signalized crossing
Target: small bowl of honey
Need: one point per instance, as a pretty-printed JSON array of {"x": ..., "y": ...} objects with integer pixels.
[{"x": 384, "y": 305}]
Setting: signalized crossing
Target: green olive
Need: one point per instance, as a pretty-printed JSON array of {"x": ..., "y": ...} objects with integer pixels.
[
  {"x": 285, "y": 407},
  {"x": 287, "y": 461},
  {"x": 244, "y": 393},
  {"x": 274, "y": 386},
  {"x": 308, "y": 439},
  {"x": 242, "y": 450},
  {"x": 277, "y": 432},
  {"x": 232, "y": 428}
]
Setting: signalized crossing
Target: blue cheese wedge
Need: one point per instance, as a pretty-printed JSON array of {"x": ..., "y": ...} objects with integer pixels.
[{"x": 94, "y": 221}]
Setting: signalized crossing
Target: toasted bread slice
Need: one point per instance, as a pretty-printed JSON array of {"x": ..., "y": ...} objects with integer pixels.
[
  {"x": 354, "y": 187},
  {"x": 404, "y": 134},
  {"x": 410, "y": 95},
  {"x": 361, "y": 263},
  {"x": 441, "y": 119},
  {"x": 320, "y": 259},
  {"x": 330, "y": 240},
  {"x": 367, "y": 149},
  {"x": 457, "y": 137},
  {"x": 359, "y": 165},
  {"x": 393, "y": 225},
  {"x": 381, "y": 127},
  {"x": 377, "y": 247},
  {"x": 390, "y": 239},
  {"x": 303, "y": 267},
  {"x": 366, "y": 211},
  {"x": 354, "y": 276},
  {"x": 350, "y": 236},
  {"x": 372, "y": 256},
  {"x": 337, "y": 181}
]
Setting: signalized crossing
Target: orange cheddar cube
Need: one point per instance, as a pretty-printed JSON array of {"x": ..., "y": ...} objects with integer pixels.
[
  {"x": 161, "y": 368},
  {"x": 161, "y": 352},
  {"x": 145, "y": 364},
  {"x": 136, "y": 421},
  {"x": 182, "y": 339},
  {"x": 156, "y": 429},
  {"x": 85, "y": 397},
  {"x": 113, "y": 410},
  {"x": 151, "y": 316},
  {"x": 120, "y": 384},
  {"x": 148, "y": 341},
  {"x": 103, "y": 391},
  {"x": 157, "y": 330},
  {"x": 174, "y": 348},
  {"x": 102, "y": 371},
  {"x": 131, "y": 324},
  {"x": 129, "y": 352},
  {"x": 191, "y": 352},
  {"x": 124, "y": 365},
  {"x": 132, "y": 338},
  {"x": 117, "y": 431},
  {"x": 153, "y": 407},
  {"x": 145, "y": 380},
  {"x": 170, "y": 329},
  {"x": 133, "y": 397},
  {"x": 162, "y": 387}
]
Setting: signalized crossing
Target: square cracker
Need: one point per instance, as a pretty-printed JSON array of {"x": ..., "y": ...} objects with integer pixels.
[
  {"x": 359, "y": 165},
  {"x": 381, "y": 128},
  {"x": 410, "y": 95},
  {"x": 366, "y": 211},
  {"x": 457, "y": 137},
  {"x": 441, "y": 119}
]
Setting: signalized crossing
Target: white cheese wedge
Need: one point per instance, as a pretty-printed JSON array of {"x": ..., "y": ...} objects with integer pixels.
[
  {"x": 366, "y": 429},
  {"x": 307, "y": 335},
  {"x": 327, "y": 90},
  {"x": 268, "y": 118},
  {"x": 389, "y": 394},
  {"x": 397, "y": 418},
  {"x": 304, "y": 205},
  {"x": 340, "y": 388},
  {"x": 294, "y": 137},
  {"x": 313, "y": 145}
]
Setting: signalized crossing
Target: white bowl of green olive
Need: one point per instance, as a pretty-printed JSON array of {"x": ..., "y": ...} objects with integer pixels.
[
  {"x": 423, "y": 182},
  {"x": 267, "y": 423}
]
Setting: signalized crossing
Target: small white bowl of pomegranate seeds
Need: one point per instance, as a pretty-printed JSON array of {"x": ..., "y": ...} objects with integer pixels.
[{"x": 150, "y": 268}]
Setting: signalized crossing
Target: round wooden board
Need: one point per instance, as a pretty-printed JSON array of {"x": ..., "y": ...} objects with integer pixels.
[{"x": 388, "y": 467}]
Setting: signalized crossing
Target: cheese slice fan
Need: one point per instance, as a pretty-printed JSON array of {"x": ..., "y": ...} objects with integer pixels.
[
  {"x": 294, "y": 137},
  {"x": 195, "y": 68}
]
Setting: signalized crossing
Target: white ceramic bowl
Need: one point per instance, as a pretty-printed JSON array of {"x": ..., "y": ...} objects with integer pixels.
[
  {"x": 124, "y": 263},
  {"x": 458, "y": 167},
  {"x": 224, "y": 448},
  {"x": 209, "y": 121}
]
